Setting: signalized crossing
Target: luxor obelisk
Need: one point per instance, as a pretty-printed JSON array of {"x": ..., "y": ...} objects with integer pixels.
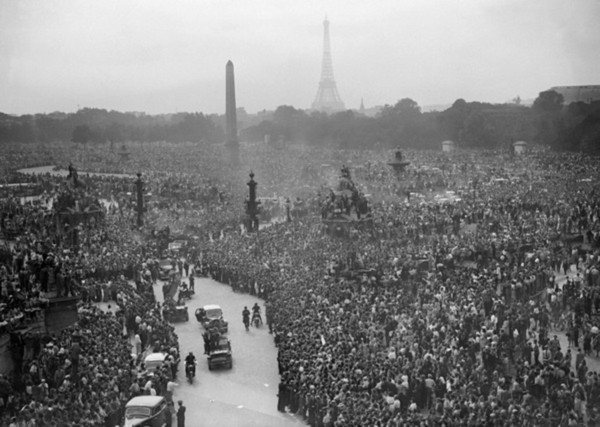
[{"x": 230, "y": 114}]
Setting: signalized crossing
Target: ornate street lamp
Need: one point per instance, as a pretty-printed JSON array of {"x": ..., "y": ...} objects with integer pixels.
[{"x": 252, "y": 205}]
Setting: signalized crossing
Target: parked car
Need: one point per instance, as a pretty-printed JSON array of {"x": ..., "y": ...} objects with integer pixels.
[
  {"x": 220, "y": 354},
  {"x": 146, "y": 411},
  {"x": 211, "y": 316},
  {"x": 153, "y": 361}
]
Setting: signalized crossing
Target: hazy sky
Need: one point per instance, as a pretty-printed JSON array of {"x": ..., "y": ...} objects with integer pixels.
[{"x": 167, "y": 56}]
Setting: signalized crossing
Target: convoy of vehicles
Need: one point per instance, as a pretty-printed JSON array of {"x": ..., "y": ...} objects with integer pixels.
[{"x": 210, "y": 316}]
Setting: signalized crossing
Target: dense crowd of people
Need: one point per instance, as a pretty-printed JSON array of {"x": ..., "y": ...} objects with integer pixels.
[
  {"x": 444, "y": 312},
  {"x": 84, "y": 374}
]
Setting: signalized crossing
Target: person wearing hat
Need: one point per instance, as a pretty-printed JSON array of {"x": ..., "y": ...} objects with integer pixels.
[{"x": 180, "y": 414}]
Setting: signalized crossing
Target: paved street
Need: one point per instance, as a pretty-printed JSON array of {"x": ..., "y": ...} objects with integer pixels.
[
  {"x": 247, "y": 394},
  {"x": 243, "y": 396}
]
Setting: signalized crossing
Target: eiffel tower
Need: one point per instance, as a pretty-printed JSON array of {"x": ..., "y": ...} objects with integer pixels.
[{"x": 328, "y": 99}]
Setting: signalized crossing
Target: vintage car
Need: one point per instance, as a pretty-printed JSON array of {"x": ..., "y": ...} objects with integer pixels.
[
  {"x": 176, "y": 313},
  {"x": 211, "y": 316},
  {"x": 176, "y": 246},
  {"x": 165, "y": 267},
  {"x": 153, "y": 361},
  {"x": 220, "y": 354},
  {"x": 146, "y": 411}
]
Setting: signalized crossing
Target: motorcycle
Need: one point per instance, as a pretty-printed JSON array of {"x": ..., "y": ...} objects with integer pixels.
[
  {"x": 247, "y": 323},
  {"x": 256, "y": 320},
  {"x": 185, "y": 293},
  {"x": 190, "y": 371}
]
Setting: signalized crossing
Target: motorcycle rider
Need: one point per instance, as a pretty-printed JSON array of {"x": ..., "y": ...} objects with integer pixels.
[
  {"x": 256, "y": 312},
  {"x": 184, "y": 291},
  {"x": 246, "y": 317},
  {"x": 190, "y": 360}
]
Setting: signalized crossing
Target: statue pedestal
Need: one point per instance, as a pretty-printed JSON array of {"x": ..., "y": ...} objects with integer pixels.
[{"x": 399, "y": 166}]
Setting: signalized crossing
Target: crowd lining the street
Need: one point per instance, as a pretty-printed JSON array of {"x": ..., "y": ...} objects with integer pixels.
[
  {"x": 84, "y": 374},
  {"x": 443, "y": 313}
]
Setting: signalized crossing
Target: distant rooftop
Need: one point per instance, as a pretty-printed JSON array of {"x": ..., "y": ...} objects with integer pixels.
[{"x": 587, "y": 94}]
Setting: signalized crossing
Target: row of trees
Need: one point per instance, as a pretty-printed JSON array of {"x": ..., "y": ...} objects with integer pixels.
[
  {"x": 96, "y": 125},
  {"x": 470, "y": 124}
]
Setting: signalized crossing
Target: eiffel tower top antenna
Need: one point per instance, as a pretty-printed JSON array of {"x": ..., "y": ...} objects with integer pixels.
[{"x": 327, "y": 99}]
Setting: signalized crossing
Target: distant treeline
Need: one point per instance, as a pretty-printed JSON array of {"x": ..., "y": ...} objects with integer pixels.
[
  {"x": 96, "y": 125},
  {"x": 468, "y": 124}
]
